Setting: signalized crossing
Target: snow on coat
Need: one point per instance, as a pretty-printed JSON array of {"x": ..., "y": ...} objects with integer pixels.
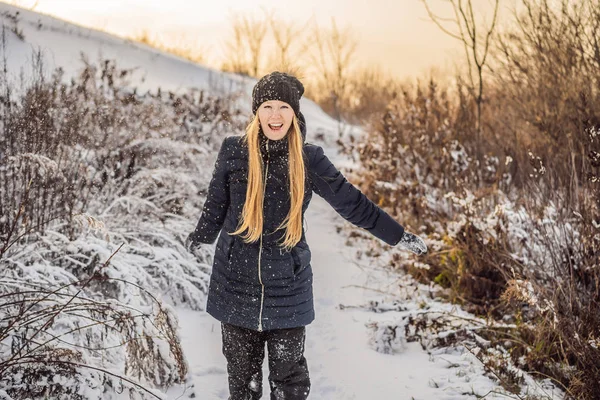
[{"x": 284, "y": 299}]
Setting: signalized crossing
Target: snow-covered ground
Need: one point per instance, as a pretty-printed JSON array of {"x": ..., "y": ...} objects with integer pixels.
[
  {"x": 343, "y": 363},
  {"x": 341, "y": 347}
]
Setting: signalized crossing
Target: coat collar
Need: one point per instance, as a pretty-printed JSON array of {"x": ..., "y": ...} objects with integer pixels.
[{"x": 273, "y": 148}]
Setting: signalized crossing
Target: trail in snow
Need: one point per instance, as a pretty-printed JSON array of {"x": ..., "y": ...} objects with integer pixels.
[{"x": 341, "y": 363}]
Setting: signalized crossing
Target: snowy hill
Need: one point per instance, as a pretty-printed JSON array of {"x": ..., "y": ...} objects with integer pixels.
[{"x": 63, "y": 45}]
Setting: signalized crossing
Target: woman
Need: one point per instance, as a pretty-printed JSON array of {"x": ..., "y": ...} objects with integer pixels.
[{"x": 261, "y": 282}]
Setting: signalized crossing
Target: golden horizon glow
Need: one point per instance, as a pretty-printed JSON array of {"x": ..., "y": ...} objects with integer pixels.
[{"x": 397, "y": 36}]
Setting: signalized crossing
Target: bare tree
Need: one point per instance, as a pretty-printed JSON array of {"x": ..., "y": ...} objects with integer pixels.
[
  {"x": 285, "y": 36},
  {"x": 245, "y": 46},
  {"x": 476, "y": 42},
  {"x": 256, "y": 31},
  {"x": 332, "y": 52},
  {"x": 236, "y": 52}
]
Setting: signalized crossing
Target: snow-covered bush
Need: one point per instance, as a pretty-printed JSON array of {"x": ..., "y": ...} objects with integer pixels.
[
  {"x": 92, "y": 171},
  {"x": 60, "y": 338},
  {"x": 498, "y": 214}
]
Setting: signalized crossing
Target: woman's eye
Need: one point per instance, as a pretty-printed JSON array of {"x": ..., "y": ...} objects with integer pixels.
[
  {"x": 267, "y": 107},
  {"x": 284, "y": 107}
]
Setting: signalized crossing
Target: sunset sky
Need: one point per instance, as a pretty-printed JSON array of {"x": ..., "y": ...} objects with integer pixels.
[{"x": 396, "y": 35}]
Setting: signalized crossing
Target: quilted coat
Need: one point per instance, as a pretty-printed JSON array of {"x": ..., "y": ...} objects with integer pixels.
[{"x": 260, "y": 285}]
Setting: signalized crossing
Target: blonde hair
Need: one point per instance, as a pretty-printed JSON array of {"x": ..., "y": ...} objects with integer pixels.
[{"x": 251, "y": 219}]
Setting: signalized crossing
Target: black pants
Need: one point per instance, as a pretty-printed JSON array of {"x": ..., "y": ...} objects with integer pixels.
[{"x": 244, "y": 350}]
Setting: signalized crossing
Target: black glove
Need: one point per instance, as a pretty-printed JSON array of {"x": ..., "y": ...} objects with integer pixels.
[
  {"x": 412, "y": 242},
  {"x": 190, "y": 245}
]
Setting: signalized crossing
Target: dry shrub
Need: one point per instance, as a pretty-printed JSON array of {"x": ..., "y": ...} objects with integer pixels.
[
  {"x": 521, "y": 204},
  {"x": 73, "y": 328},
  {"x": 371, "y": 90},
  {"x": 484, "y": 237},
  {"x": 69, "y": 148},
  {"x": 547, "y": 80},
  {"x": 417, "y": 161},
  {"x": 58, "y": 336}
]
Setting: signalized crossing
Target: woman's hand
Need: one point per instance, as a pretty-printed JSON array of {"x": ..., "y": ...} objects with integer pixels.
[
  {"x": 190, "y": 245},
  {"x": 413, "y": 243}
]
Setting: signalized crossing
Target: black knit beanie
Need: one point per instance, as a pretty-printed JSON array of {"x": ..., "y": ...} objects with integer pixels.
[{"x": 278, "y": 86}]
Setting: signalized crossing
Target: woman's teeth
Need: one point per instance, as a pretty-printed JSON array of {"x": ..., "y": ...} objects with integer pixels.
[{"x": 275, "y": 126}]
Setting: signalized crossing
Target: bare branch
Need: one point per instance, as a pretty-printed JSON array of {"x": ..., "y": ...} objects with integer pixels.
[
  {"x": 437, "y": 20},
  {"x": 80, "y": 365},
  {"x": 490, "y": 31}
]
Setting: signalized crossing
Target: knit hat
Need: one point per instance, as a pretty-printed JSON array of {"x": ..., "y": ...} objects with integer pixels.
[{"x": 277, "y": 86}]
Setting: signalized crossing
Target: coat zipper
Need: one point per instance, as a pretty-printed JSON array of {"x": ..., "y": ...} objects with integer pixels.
[{"x": 262, "y": 293}]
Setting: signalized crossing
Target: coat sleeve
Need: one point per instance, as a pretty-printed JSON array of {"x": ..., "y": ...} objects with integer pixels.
[
  {"x": 217, "y": 202},
  {"x": 350, "y": 202}
]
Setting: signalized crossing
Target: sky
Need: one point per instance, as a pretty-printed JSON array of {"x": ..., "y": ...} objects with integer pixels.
[{"x": 395, "y": 35}]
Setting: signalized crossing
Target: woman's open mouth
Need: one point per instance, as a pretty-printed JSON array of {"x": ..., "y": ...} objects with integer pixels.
[{"x": 276, "y": 127}]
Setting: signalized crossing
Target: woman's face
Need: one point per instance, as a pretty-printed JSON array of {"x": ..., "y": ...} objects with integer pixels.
[{"x": 275, "y": 118}]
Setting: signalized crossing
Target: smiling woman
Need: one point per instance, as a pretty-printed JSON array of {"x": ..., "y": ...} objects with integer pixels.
[
  {"x": 276, "y": 118},
  {"x": 261, "y": 278}
]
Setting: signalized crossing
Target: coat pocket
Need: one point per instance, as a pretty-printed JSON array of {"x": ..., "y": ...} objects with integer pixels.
[
  {"x": 302, "y": 257},
  {"x": 225, "y": 248}
]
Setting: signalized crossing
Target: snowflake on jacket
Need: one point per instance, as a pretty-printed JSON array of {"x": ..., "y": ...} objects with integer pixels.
[{"x": 236, "y": 293}]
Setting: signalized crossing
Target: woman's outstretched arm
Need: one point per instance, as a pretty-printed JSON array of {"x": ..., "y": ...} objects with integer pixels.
[{"x": 329, "y": 183}]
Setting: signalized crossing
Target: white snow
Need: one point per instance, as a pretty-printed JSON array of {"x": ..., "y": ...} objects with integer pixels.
[
  {"x": 341, "y": 342},
  {"x": 341, "y": 359}
]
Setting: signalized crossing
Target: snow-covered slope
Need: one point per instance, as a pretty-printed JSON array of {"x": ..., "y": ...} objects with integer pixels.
[
  {"x": 63, "y": 45},
  {"x": 342, "y": 363}
]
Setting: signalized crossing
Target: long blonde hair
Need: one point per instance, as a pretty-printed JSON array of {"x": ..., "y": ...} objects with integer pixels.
[{"x": 251, "y": 219}]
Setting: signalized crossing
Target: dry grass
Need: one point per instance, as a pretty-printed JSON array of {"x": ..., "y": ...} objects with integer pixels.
[
  {"x": 54, "y": 331},
  {"x": 70, "y": 326},
  {"x": 521, "y": 206},
  {"x": 181, "y": 46}
]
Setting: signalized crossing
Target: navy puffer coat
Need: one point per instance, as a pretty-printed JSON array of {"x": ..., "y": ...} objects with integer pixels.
[{"x": 259, "y": 285}]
